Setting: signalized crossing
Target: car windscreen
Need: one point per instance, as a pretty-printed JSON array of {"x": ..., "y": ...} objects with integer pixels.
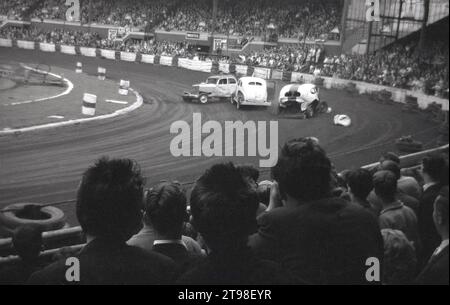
[
  {"x": 254, "y": 84},
  {"x": 211, "y": 80}
]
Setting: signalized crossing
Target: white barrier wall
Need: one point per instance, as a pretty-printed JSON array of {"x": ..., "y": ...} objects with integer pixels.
[
  {"x": 149, "y": 59},
  {"x": 128, "y": 56},
  {"x": 89, "y": 52},
  {"x": 47, "y": 47},
  {"x": 223, "y": 67},
  {"x": 241, "y": 69},
  {"x": 68, "y": 50},
  {"x": 263, "y": 73},
  {"x": 5, "y": 42},
  {"x": 165, "y": 60},
  {"x": 24, "y": 44},
  {"x": 196, "y": 65},
  {"x": 110, "y": 54}
]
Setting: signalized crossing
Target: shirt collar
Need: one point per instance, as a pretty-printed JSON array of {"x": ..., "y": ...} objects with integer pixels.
[
  {"x": 428, "y": 185},
  {"x": 169, "y": 241},
  {"x": 397, "y": 205}
]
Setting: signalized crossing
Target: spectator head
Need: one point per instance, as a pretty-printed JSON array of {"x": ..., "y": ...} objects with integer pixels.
[
  {"x": 223, "y": 208},
  {"x": 392, "y": 167},
  {"x": 385, "y": 185},
  {"x": 110, "y": 199},
  {"x": 27, "y": 241},
  {"x": 360, "y": 183},
  {"x": 391, "y": 156},
  {"x": 165, "y": 209},
  {"x": 250, "y": 173},
  {"x": 303, "y": 171},
  {"x": 399, "y": 264},
  {"x": 441, "y": 213},
  {"x": 435, "y": 169}
]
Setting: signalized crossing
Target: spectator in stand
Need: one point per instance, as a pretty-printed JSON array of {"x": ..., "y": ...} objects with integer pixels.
[
  {"x": 165, "y": 210},
  {"x": 400, "y": 261},
  {"x": 317, "y": 237},
  {"x": 154, "y": 208},
  {"x": 435, "y": 176},
  {"x": 405, "y": 198},
  {"x": 27, "y": 242},
  {"x": 436, "y": 270},
  {"x": 251, "y": 175},
  {"x": 109, "y": 203},
  {"x": 223, "y": 207},
  {"x": 405, "y": 184},
  {"x": 394, "y": 214},
  {"x": 360, "y": 185}
]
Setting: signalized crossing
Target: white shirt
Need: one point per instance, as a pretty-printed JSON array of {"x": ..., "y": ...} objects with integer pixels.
[
  {"x": 169, "y": 241},
  {"x": 428, "y": 185}
]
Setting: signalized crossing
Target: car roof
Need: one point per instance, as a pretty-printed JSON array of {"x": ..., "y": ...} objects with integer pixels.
[
  {"x": 248, "y": 79},
  {"x": 222, "y": 75}
]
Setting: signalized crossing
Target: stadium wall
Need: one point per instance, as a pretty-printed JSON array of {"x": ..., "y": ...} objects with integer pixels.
[{"x": 398, "y": 95}]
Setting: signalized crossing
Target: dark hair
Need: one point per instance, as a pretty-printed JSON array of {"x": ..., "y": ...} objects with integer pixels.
[
  {"x": 110, "y": 198},
  {"x": 385, "y": 185},
  {"x": 436, "y": 166},
  {"x": 249, "y": 171},
  {"x": 27, "y": 241},
  {"x": 390, "y": 156},
  {"x": 223, "y": 207},
  {"x": 360, "y": 182},
  {"x": 303, "y": 170},
  {"x": 392, "y": 167},
  {"x": 165, "y": 207}
]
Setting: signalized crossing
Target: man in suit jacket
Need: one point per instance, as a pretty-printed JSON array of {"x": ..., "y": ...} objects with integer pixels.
[
  {"x": 109, "y": 203},
  {"x": 436, "y": 271},
  {"x": 165, "y": 210},
  {"x": 435, "y": 175},
  {"x": 320, "y": 239}
]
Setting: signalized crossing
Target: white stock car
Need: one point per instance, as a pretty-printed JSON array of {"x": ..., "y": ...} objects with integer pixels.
[
  {"x": 251, "y": 91},
  {"x": 301, "y": 99},
  {"x": 217, "y": 86}
]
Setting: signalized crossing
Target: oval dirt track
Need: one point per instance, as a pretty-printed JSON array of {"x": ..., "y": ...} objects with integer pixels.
[{"x": 46, "y": 166}]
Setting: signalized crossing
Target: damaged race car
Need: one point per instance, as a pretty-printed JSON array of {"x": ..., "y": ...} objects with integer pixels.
[
  {"x": 250, "y": 91},
  {"x": 301, "y": 100},
  {"x": 215, "y": 87}
]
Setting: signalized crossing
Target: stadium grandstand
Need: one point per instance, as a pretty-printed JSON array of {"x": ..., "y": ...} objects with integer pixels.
[{"x": 214, "y": 221}]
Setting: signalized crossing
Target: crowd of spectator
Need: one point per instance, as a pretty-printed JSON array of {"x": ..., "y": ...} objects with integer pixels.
[
  {"x": 399, "y": 65},
  {"x": 308, "y": 225},
  {"x": 305, "y": 19}
]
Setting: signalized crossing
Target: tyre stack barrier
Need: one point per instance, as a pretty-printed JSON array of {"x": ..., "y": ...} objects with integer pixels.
[
  {"x": 250, "y": 70},
  {"x": 124, "y": 85},
  {"x": 101, "y": 73},
  {"x": 79, "y": 67},
  {"x": 156, "y": 59},
  {"x": 286, "y": 76},
  {"x": 215, "y": 67},
  {"x": 232, "y": 68},
  {"x": 89, "y": 104},
  {"x": 175, "y": 61},
  {"x": 48, "y": 218}
]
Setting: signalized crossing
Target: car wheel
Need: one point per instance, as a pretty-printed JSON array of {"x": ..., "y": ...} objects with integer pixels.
[{"x": 203, "y": 98}]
